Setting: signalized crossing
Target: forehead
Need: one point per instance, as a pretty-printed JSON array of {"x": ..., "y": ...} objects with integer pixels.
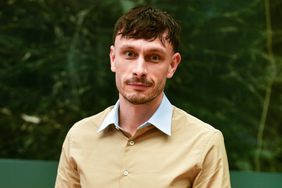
[{"x": 156, "y": 44}]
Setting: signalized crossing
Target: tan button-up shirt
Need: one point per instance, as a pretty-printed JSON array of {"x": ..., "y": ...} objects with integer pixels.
[{"x": 193, "y": 156}]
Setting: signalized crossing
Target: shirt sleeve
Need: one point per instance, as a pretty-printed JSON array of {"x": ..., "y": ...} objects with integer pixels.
[
  {"x": 67, "y": 174},
  {"x": 214, "y": 170}
]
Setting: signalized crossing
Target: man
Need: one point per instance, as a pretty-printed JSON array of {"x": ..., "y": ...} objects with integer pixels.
[{"x": 143, "y": 140}]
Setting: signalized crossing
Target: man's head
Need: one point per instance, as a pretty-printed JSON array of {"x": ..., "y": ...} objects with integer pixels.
[
  {"x": 144, "y": 54},
  {"x": 148, "y": 23}
]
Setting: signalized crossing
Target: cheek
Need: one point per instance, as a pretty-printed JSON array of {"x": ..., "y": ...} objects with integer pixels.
[
  {"x": 120, "y": 77},
  {"x": 161, "y": 72},
  {"x": 121, "y": 66},
  {"x": 118, "y": 82},
  {"x": 159, "y": 77}
]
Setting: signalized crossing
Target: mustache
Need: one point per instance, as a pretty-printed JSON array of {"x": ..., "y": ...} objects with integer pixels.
[{"x": 136, "y": 80}]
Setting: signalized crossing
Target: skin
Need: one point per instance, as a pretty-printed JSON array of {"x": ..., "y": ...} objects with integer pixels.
[{"x": 141, "y": 69}]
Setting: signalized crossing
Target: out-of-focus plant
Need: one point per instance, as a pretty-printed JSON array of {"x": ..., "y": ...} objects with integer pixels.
[{"x": 54, "y": 70}]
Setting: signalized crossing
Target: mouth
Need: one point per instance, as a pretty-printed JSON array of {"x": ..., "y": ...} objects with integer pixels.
[{"x": 139, "y": 84}]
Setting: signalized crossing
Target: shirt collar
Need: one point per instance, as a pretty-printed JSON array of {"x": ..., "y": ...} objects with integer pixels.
[{"x": 161, "y": 119}]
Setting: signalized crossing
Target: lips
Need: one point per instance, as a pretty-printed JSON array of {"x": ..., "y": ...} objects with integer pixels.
[{"x": 139, "y": 82}]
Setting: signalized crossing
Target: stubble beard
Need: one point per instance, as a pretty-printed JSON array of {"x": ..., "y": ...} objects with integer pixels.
[{"x": 139, "y": 97}]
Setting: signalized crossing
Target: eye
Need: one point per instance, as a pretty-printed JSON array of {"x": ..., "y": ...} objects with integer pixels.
[
  {"x": 154, "y": 58},
  {"x": 129, "y": 54}
]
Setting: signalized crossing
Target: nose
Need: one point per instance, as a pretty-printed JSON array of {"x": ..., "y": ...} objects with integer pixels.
[{"x": 140, "y": 67}]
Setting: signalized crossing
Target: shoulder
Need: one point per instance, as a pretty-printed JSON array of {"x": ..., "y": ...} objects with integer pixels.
[
  {"x": 190, "y": 125},
  {"x": 195, "y": 133},
  {"x": 91, "y": 123}
]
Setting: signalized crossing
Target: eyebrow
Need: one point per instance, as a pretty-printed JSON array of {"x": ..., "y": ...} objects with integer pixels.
[
  {"x": 126, "y": 47},
  {"x": 154, "y": 49}
]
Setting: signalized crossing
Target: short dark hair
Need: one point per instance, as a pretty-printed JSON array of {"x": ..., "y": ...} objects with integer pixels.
[{"x": 148, "y": 23}]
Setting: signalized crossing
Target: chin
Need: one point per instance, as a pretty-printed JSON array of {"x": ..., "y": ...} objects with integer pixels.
[{"x": 139, "y": 98}]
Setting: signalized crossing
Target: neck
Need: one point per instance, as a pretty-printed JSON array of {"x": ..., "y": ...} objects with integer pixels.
[{"x": 131, "y": 116}]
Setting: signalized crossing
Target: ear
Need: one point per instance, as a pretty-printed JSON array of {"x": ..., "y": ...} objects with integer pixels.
[
  {"x": 112, "y": 58},
  {"x": 176, "y": 59}
]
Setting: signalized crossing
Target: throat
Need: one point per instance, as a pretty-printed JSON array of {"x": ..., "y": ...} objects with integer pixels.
[
  {"x": 131, "y": 116},
  {"x": 130, "y": 121}
]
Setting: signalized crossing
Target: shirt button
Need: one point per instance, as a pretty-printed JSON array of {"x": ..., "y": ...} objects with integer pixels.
[
  {"x": 131, "y": 143},
  {"x": 125, "y": 173}
]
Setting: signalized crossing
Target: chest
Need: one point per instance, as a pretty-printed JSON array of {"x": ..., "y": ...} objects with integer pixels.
[{"x": 150, "y": 161}]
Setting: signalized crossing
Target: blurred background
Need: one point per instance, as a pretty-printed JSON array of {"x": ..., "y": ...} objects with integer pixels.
[{"x": 55, "y": 70}]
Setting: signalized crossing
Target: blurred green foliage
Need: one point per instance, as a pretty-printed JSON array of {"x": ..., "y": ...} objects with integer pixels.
[{"x": 54, "y": 70}]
